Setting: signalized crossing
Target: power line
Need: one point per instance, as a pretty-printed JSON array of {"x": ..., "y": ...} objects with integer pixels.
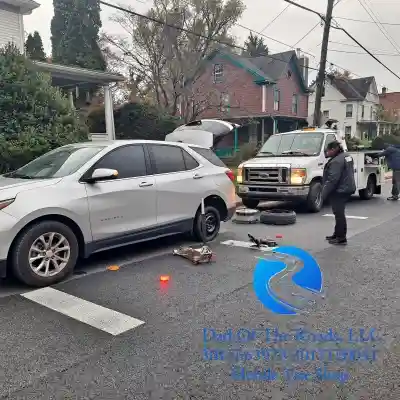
[
  {"x": 188, "y": 31},
  {"x": 271, "y": 22},
  {"x": 363, "y": 54},
  {"x": 311, "y": 30},
  {"x": 338, "y": 27},
  {"x": 377, "y": 23},
  {"x": 367, "y": 22}
]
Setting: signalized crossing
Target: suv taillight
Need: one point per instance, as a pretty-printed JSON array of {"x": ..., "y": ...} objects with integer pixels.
[{"x": 230, "y": 175}]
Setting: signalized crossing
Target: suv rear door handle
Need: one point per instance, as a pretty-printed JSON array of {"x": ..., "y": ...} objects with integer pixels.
[
  {"x": 145, "y": 184},
  {"x": 197, "y": 176}
]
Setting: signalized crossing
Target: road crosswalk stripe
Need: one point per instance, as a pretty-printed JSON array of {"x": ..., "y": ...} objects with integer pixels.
[
  {"x": 347, "y": 216},
  {"x": 99, "y": 317}
]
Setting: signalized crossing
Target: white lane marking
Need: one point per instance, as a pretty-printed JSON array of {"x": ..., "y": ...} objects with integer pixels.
[
  {"x": 347, "y": 216},
  {"x": 246, "y": 245},
  {"x": 99, "y": 317}
]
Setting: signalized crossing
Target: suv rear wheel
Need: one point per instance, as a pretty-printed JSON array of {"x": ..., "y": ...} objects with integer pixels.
[
  {"x": 45, "y": 254},
  {"x": 212, "y": 224}
]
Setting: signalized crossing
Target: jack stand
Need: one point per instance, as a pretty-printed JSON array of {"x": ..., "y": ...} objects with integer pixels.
[
  {"x": 199, "y": 255},
  {"x": 258, "y": 243}
]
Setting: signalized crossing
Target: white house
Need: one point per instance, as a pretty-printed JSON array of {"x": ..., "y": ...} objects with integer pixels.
[
  {"x": 67, "y": 77},
  {"x": 353, "y": 102}
]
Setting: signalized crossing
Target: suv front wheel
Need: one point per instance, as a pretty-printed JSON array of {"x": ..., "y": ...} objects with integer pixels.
[
  {"x": 45, "y": 254},
  {"x": 212, "y": 224}
]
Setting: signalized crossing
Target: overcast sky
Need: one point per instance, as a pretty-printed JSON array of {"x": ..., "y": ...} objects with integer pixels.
[{"x": 290, "y": 27}]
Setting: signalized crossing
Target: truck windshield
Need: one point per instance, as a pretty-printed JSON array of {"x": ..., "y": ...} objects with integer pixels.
[{"x": 299, "y": 144}]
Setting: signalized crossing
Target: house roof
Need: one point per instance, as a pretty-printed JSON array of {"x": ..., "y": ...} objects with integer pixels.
[
  {"x": 78, "y": 74},
  {"x": 26, "y": 6},
  {"x": 352, "y": 89},
  {"x": 273, "y": 65}
]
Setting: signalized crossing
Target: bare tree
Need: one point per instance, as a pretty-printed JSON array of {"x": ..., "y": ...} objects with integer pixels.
[{"x": 165, "y": 62}]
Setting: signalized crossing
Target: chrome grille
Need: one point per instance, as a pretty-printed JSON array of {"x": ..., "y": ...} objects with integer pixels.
[{"x": 266, "y": 175}]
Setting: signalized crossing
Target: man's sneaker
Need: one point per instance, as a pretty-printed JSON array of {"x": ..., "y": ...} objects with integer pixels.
[
  {"x": 393, "y": 198},
  {"x": 330, "y": 237},
  {"x": 337, "y": 241}
]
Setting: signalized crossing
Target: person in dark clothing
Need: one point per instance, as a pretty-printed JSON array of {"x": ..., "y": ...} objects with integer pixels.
[
  {"x": 338, "y": 185},
  {"x": 392, "y": 156}
]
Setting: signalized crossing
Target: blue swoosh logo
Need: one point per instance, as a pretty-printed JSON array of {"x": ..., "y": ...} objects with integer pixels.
[{"x": 309, "y": 277}]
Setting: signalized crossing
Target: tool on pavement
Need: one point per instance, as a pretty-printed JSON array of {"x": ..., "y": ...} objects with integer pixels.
[
  {"x": 258, "y": 243},
  {"x": 200, "y": 255}
]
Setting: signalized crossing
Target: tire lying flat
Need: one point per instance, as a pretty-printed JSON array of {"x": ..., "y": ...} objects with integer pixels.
[{"x": 278, "y": 217}]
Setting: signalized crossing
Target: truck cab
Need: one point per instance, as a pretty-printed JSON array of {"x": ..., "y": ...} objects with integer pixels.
[{"x": 290, "y": 166}]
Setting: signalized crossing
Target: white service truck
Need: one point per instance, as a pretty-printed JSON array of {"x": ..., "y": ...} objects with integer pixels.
[{"x": 289, "y": 166}]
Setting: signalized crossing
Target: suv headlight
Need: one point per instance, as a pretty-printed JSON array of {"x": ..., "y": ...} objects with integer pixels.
[
  {"x": 5, "y": 203},
  {"x": 298, "y": 176}
]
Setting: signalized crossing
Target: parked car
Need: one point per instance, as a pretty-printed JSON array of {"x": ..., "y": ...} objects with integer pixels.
[{"x": 84, "y": 198}]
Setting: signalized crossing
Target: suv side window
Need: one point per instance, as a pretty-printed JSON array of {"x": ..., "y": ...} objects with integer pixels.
[
  {"x": 167, "y": 158},
  {"x": 129, "y": 161},
  {"x": 329, "y": 139},
  {"x": 190, "y": 162}
]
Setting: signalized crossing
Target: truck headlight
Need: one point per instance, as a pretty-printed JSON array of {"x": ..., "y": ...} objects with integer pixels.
[
  {"x": 239, "y": 175},
  {"x": 298, "y": 176}
]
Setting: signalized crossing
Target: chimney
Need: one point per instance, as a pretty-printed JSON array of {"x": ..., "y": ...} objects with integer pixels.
[
  {"x": 384, "y": 90},
  {"x": 303, "y": 64}
]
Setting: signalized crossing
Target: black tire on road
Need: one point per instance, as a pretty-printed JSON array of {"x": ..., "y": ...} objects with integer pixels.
[
  {"x": 250, "y": 203},
  {"x": 213, "y": 218},
  {"x": 314, "y": 200},
  {"x": 278, "y": 217},
  {"x": 368, "y": 192},
  {"x": 20, "y": 255}
]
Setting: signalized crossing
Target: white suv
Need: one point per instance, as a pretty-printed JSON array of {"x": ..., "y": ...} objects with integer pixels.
[{"x": 84, "y": 198}]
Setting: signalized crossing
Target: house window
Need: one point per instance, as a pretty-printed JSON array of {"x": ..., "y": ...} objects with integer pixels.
[
  {"x": 347, "y": 131},
  {"x": 349, "y": 110},
  {"x": 294, "y": 104},
  {"x": 371, "y": 113},
  {"x": 225, "y": 102},
  {"x": 326, "y": 114},
  {"x": 362, "y": 111},
  {"x": 277, "y": 97},
  {"x": 218, "y": 73}
]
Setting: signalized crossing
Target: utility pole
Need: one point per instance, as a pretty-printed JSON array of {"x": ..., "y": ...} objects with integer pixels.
[{"x": 322, "y": 65}]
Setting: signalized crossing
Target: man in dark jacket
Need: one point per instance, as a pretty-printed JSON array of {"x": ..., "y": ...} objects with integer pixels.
[
  {"x": 338, "y": 185},
  {"x": 392, "y": 156}
]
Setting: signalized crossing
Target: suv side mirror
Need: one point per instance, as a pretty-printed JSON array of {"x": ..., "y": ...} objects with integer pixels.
[{"x": 103, "y": 174}]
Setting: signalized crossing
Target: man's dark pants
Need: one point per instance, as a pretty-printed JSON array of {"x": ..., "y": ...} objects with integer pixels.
[
  {"x": 396, "y": 183},
  {"x": 338, "y": 203}
]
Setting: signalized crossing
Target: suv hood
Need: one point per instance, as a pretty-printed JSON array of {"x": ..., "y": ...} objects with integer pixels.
[
  {"x": 293, "y": 161},
  {"x": 10, "y": 187}
]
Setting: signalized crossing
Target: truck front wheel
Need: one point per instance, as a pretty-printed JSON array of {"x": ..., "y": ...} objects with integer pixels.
[
  {"x": 314, "y": 199},
  {"x": 250, "y": 203}
]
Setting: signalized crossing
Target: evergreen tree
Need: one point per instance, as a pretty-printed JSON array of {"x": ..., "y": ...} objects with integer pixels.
[
  {"x": 255, "y": 46},
  {"x": 75, "y": 34},
  {"x": 34, "y": 47}
]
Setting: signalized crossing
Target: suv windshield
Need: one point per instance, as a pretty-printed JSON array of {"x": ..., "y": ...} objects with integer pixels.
[
  {"x": 299, "y": 144},
  {"x": 57, "y": 163}
]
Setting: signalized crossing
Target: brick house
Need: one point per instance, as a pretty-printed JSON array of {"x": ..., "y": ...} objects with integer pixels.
[
  {"x": 270, "y": 91},
  {"x": 390, "y": 102}
]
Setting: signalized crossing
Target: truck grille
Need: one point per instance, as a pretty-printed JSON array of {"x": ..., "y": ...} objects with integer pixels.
[{"x": 266, "y": 175}]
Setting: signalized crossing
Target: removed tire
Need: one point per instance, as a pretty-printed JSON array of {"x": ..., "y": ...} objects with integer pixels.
[
  {"x": 250, "y": 203},
  {"x": 314, "y": 199},
  {"x": 278, "y": 217},
  {"x": 368, "y": 192},
  {"x": 45, "y": 254},
  {"x": 212, "y": 224}
]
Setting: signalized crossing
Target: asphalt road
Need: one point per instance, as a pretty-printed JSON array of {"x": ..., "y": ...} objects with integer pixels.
[{"x": 146, "y": 342}]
